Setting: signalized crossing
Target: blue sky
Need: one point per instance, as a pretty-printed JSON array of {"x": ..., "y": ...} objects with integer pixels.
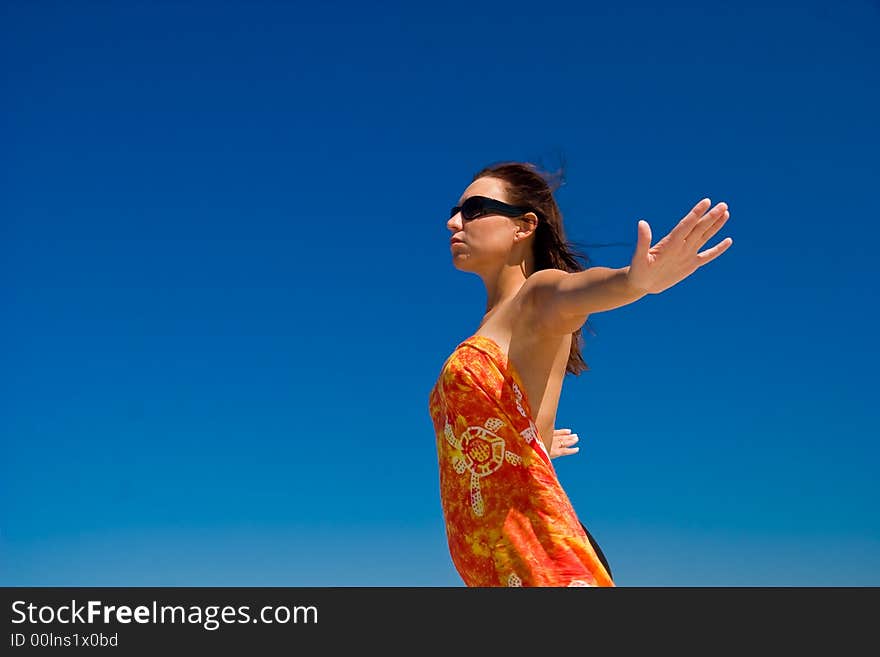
[{"x": 227, "y": 289}]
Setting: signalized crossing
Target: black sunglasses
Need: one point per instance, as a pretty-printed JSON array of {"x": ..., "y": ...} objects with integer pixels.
[{"x": 478, "y": 206}]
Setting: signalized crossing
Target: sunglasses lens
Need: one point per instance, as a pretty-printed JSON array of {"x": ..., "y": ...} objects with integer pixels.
[{"x": 472, "y": 208}]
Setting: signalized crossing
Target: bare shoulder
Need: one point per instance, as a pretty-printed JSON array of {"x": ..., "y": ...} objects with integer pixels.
[
  {"x": 538, "y": 294},
  {"x": 539, "y": 286}
]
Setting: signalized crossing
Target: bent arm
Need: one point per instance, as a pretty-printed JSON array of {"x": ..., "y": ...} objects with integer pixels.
[{"x": 561, "y": 301}]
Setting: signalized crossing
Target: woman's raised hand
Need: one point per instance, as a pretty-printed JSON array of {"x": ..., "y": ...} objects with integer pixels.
[{"x": 675, "y": 257}]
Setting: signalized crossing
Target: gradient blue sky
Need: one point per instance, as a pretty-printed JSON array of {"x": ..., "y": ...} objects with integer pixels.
[{"x": 227, "y": 288}]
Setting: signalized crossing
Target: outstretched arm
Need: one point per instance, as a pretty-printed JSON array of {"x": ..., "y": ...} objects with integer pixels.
[{"x": 561, "y": 301}]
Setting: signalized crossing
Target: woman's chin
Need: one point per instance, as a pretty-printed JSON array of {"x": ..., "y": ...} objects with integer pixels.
[{"x": 460, "y": 263}]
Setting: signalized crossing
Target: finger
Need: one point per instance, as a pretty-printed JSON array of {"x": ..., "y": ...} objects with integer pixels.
[
  {"x": 685, "y": 226},
  {"x": 709, "y": 255},
  {"x": 561, "y": 432},
  {"x": 565, "y": 451},
  {"x": 572, "y": 439},
  {"x": 706, "y": 221},
  {"x": 712, "y": 229},
  {"x": 643, "y": 242}
]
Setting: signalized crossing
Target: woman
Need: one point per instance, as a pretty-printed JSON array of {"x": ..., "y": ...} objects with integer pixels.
[{"x": 508, "y": 520}]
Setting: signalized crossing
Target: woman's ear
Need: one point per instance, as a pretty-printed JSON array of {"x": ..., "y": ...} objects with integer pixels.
[{"x": 529, "y": 224}]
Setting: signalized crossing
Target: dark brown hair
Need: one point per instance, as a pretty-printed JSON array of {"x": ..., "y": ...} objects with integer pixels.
[{"x": 530, "y": 186}]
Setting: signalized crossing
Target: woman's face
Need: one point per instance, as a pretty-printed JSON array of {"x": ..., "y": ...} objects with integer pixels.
[{"x": 484, "y": 243}]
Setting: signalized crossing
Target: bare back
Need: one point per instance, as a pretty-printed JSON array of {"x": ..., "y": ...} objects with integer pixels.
[{"x": 539, "y": 358}]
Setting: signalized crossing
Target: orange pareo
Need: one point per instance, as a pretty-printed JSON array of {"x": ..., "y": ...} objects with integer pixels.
[{"x": 508, "y": 520}]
